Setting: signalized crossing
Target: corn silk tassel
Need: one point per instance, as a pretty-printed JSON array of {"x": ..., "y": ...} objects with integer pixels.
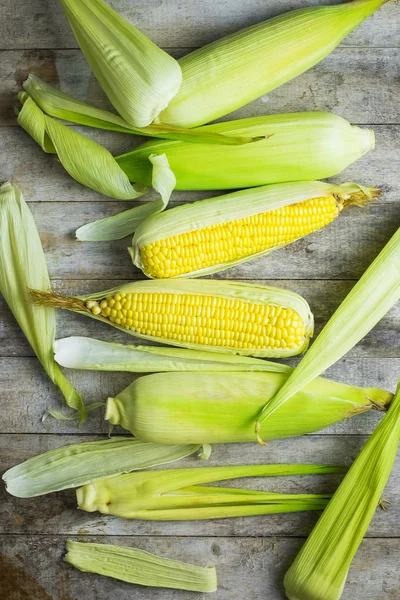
[
  {"x": 55, "y": 103},
  {"x": 23, "y": 266},
  {"x": 369, "y": 300},
  {"x": 232, "y": 71},
  {"x": 204, "y": 237},
  {"x": 175, "y": 494},
  {"x": 211, "y": 407},
  {"x": 78, "y": 464},
  {"x": 142, "y": 568},
  {"x": 320, "y": 570},
  {"x": 223, "y": 316},
  {"x": 138, "y": 77}
]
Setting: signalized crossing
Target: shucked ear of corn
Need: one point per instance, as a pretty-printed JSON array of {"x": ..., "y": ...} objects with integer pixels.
[
  {"x": 175, "y": 494},
  {"x": 369, "y": 300},
  {"x": 299, "y": 147},
  {"x": 234, "y": 70},
  {"x": 23, "y": 266},
  {"x": 138, "y": 77},
  {"x": 201, "y": 314},
  {"x": 204, "y": 237},
  {"x": 320, "y": 569},
  {"x": 207, "y": 407}
]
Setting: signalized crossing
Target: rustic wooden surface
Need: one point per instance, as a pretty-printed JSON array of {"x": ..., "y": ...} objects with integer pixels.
[{"x": 360, "y": 81}]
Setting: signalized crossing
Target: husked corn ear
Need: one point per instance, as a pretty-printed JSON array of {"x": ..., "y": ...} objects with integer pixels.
[
  {"x": 215, "y": 234},
  {"x": 226, "y": 316}
]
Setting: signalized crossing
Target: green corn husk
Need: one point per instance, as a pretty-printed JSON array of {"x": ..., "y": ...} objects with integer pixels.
[
  {"x": 300, "y": 147},
  {"x": 78, "y": 464},
  {"x": 55, "y": 103},
  {"x": 23, "y": 266},
  {"x": 369, "y": 300},
  {"x": 91, "y": 354},
  {"x": 139, "y": 78},
  {"x": 89, "y": 305},
  {"x": 237, "y": 69},
  {"x": 175, "y": 494},
  {"x": 221, "y": 407},
  {"x": 246, "y": 203},
  {"x": 320, "y": 570},
  {"x": 140, "y": 567}
]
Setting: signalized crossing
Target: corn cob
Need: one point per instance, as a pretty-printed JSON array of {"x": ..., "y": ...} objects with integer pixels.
[
  {"x": 226, "y": 316},
  {"x": 237, "y": 69},
  {"x": 211, "y": 235},
  {"x": 299, "y": 147},
  {"x": 181, "y": 408}
]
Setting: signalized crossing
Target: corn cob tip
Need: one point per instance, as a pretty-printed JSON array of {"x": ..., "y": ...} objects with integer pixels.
[
  {"x": 53, "y": 300},
  {"x": 359, "y": 198}
]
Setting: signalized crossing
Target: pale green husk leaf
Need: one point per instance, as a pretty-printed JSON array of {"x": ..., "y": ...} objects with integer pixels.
[
  {"x": 56, "y": 103},
  {"x": 298, "y": 147},
  {"x": 23, "y": 266},
  {"x": 95, "y": 355},
  {"x": 369, "y": 300},
  {"x": 237, "y": 205},
  {"x": 175, "y": 494},
  {"x": 140, "y": 567},
  {"x": 77, "y": 464},
  {"x": 234, "y": 70},
  {"x": 139, "y": 78},
  {"x": 319, "y": 571},
  {"x": 120, "y": 225}
]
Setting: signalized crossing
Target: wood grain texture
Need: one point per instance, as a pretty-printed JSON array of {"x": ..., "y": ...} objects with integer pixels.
[
  {"x": 57, "y": 512},
  {"x": 172, "y": 23},
  {"x": 360, "y": 84}
]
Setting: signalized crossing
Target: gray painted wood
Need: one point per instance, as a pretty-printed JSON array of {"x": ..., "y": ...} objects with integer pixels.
[
  {"x": 349, "y": 82},
  {"x": 171, "y": 23}
]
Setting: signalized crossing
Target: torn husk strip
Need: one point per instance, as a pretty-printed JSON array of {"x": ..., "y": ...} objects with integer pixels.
[
  {"x": 23, "y": 266},
  {"x": 142, "y": 568},
  {"x": 78, "y": 464},
  {"x": 55, "y": 103},
  {"x": 213, "y": 407},
  {"x": 369, "y": 300},
  {"x": 175, "y": 494},
  {"x": 320, "y": 570}
]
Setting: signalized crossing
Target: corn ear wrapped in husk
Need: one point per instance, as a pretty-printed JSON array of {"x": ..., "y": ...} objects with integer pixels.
[
  {"x": 320, "y": 570},
  {"x": 140, "y": 567},
  {"x": 199, "y": 407},
  {"x": 78, "y": 464},
  {"x": 23, "y": 266},
  {"x": 138, "y": 77}
]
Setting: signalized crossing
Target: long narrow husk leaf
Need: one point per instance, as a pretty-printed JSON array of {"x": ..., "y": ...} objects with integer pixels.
[
  {"x": 140, "y": 567},
  {"x": 95, "y": 355},
  {"x": 139, "y": 78},
  {"x": 369, "y": 300},
  {"x": 319, "y": 571},
  {"x": 23, "y": 266},
  {"x": 175, "y": 494},
  {"x": 221, "y": 407},
  {"x": 299, "y": 147},
  {"x": 241, "y": 67},
  {"x": 55, "y": 103},
  {"x": 78, "y": 464}
]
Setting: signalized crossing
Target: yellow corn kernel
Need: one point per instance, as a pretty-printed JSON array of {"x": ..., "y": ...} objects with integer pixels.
[{"x": 234, "y": 240}]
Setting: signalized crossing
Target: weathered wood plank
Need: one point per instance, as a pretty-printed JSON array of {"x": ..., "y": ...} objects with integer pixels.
[
  {"x": 27, "y": 392},
  {"x": 323, "y": 296},
  {"x": 360, "y": 84},
  {"x": 251, "y": 568},
  {"x": 42, "y": 178},
  {"x": 57, "y": 512},
  {"x": 174, "y": 23}
]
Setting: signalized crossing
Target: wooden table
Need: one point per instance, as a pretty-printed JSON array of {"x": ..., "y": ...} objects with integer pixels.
[{"x": 359, "y": 81}]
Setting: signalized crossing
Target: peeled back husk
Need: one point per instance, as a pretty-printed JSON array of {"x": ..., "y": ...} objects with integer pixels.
[
  {"x": 297, "y": 147},
  {"x": 234, "y": 70},
  {"x": 198, "y": 407}
]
